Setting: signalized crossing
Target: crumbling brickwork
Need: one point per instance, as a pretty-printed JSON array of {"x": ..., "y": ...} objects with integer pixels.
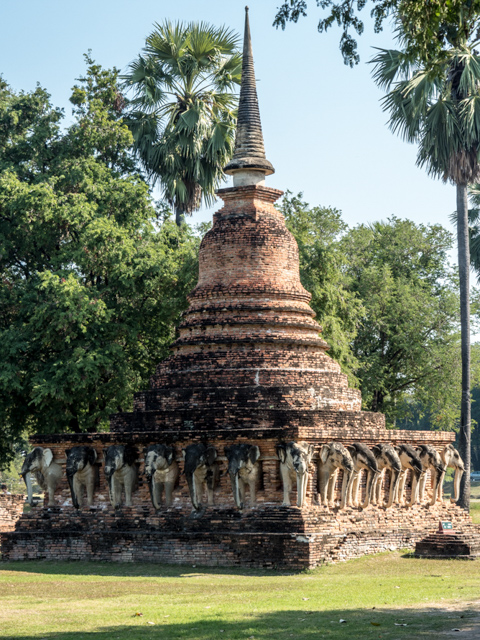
[{"x": 11, "y": 509}]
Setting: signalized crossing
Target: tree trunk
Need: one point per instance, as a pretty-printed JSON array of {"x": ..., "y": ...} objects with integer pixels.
[
  {"x": 464, "y": 273},
  {"x": 179, "y": 215}
]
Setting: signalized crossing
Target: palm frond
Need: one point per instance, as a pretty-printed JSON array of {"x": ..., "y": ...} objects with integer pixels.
[{"x": 390, "y": 65}]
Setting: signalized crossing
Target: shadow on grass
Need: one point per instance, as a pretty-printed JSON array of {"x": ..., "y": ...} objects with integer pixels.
[
  {"x": 394, "y": 624},
  {"x": 134, "y": 569}
]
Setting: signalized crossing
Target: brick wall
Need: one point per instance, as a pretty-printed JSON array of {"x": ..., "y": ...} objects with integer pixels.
[
  {"x": 265, "y": 537},
  {"x": 11, "y": 509}
]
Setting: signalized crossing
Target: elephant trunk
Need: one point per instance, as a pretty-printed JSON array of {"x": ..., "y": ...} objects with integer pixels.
[
  {"x": 302, "y": 477},
  {"x": 193, "y": 491},
  {"x": 72, "y": 491},
  {"x": 153, "y": 492},
  {"x": 456, "y": 483},
  {"x": 236, "y": 489},
  {"x": 27, "y": 478},
  {"x": 110, "y": 488}
]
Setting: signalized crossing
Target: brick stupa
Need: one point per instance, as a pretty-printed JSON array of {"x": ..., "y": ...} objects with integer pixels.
[{"x": 248, "y": 366}]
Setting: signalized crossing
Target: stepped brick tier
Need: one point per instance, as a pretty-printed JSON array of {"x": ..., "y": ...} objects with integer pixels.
[
  {"x": 463, "y": 544},
  {"x": 248, "y": 367}
]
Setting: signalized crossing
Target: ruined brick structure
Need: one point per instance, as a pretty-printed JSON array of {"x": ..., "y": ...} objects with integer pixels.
[
  {"x": 11, "y": 509},
  {"x": 248, "y": 366}
]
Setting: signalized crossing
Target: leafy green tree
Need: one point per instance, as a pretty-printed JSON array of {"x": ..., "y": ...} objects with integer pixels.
[
  {"x": 430, "y": 24},
  {"x": 407, "y": 342},
  {"x": 183, "y": 111},
  {"x": 434, "y": 100},
  {"x": 92, "y": 279},
  {"x": 344, "y": 13},
  {"x": 318, "y": 231}
]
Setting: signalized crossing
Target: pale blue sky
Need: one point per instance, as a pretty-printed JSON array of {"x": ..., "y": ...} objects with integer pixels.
[{"x": 323, "y": 125}]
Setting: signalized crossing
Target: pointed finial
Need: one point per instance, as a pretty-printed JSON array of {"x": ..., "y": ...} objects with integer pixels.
[{"x": 249, "y": 164}]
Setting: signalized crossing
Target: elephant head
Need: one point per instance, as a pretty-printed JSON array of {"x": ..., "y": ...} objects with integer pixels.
[
  {"x": 201, "y": 469},
  {"x": 47, "y": 473},
  {"x": 362, "y": 458},
  {"x": 410, "y": 460},
  {"x": 451, "y": 458},
  {"x": 431, "y": 460},
  {"x": 161, "y": 470},
  {"x": 81, "y": 473},
  {"x": 387, "y": 458},
  {"x": 243, "y": 468},
  {"x": 120, "y": 470},
  {"x": 295, "y": 458},
  {"x": 335, "y": 456}
]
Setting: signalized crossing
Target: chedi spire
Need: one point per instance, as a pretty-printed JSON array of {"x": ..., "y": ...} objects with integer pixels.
[{"x": 249, "y": 164}]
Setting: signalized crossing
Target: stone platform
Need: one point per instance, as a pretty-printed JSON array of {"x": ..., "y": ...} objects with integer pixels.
[
  {"x": 269, "y": 536},
  {"x": 463, "y": 543}
]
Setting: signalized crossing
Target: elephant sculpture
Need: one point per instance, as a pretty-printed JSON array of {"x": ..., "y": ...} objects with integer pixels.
[
  {"x": 243, "y": 469},
  {"x": 47, "y": 473},
  {"x": 362, "y": 458},
  {"x": 451, "y": 458},
  {"x": 410, "y": 461},
  {"x": 431, "y": 460},
  {"x": 81, "y": 473},
  {"x": 387, "y": 458},
  {"x": 335, "y": 456},
  {"x": 161, "y": 470},
  {"x": 295, "y": 458},
  {"x": 201, "y": 469},
  {"x": 121, "y": 471}
]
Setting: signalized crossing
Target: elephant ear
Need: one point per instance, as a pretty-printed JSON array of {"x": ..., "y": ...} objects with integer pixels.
[
  {"x": 91, "y": 455},
  {"x": 47, "y": 457},
  {"x": 170, "y": 455},
  {"x": 311, "y": 451},
  {"x": 324, "y": 453},
  {"x": 211, "y": 454},
  {"x": 254, "y": 454},
  {"x": 282, "y": 452},
  {"x": 351, "y": 449}
]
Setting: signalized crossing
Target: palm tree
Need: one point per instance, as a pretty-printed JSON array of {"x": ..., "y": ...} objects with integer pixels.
[
  {"x": 183, "y": 111},
  {"x": 435, "y": 102}
]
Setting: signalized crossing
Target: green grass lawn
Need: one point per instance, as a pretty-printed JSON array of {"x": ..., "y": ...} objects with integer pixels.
[{"x": 94, "y": 601}]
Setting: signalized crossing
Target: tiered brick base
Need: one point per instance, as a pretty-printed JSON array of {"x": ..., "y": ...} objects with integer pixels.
[
  {"x": 462, "y": 543},
  {"x": 270, "y": 536}
]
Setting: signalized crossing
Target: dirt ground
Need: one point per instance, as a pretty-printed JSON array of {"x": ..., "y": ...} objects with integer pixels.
[{"x": 465, "y": 619}]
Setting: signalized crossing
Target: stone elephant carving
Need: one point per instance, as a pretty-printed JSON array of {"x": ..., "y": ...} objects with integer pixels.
[
  {"x": 120, "y": 471},
  {"x": 387, "y": 458},
  {"x": 295, "y": 458},
  {"x": 451, "y": 458},
  {"x": 81, "y": 473},
  {"x": 335, "y": 456},
  {"x": 47, "y": 473},
  {"x": 431, "y": 460},
  {"x": 161, "y": 470},
  {"x": 201, "y": 470},
  {"x": 362, "y": 458},
  {"x": 409, "y": 460},
  {"x": 243, "y": 469}
]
